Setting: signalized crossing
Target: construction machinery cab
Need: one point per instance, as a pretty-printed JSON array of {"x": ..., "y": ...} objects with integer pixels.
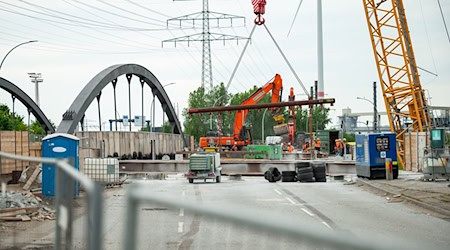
[
  {"x": 212, "y": 133},
  {"x": 246, "y": 134}
]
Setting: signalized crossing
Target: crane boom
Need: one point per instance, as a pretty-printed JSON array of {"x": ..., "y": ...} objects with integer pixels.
[{"x": 403, "y": 95}]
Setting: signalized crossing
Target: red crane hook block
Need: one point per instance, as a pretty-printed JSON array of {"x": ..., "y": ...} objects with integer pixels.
[{"x": 259, "y": 8}]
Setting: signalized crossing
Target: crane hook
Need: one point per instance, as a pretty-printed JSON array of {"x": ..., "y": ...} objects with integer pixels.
[
  {"x": 259, "y": 8},
  {"x": 259, "y": 20}
]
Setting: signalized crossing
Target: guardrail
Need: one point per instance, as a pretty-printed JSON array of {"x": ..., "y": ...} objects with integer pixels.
[{"x": 66, "y": 176}]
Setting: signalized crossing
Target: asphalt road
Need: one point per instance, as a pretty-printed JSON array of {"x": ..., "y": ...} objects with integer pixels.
[{"x": 332, "y": 206}]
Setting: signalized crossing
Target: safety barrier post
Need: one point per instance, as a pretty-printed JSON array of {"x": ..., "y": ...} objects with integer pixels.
[
  {"x": 131, "y": 220},
  {"x": 95, "y": 218},
  {"x": 389, "y": 172}
]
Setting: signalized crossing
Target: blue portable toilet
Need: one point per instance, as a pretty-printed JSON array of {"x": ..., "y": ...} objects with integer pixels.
[
  {"x": 371, "y": 153},
  {"x": 62, "y": 146}
]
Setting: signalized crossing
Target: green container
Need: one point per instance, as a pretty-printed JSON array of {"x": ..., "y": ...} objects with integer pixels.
[
  {"x": 323, "y": 135},
  {"x": 274, "y": 152},
  {"x": 257, "y": 149},
  {"x": 437, "y": 138},
  {"x": 327, "y": 138}
]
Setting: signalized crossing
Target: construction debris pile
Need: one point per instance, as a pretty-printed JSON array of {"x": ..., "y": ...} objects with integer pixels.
[{"x": 24, "y": 206}]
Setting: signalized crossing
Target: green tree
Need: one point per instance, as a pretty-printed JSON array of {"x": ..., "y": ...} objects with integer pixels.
[
  {"x": 167, "y": 128},
  {"x": 36, "y": 128},
  {"x": 198, "y": 125},
  {"x": 219, "y": 96},
  {"x": 349, "y": 137},
  {"x": 195, "y": 125},
  {"x": 320, "y": 119},
  {"x": 7, "y": 118}
]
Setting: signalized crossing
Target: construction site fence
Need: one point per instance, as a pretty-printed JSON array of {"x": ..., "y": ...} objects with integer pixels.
[
  {"x": 65, "y": 178},
  {"x": 137, "y": 194}
]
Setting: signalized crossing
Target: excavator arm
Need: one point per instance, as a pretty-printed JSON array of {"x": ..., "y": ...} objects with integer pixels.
[{"x": 275, "y": 86}]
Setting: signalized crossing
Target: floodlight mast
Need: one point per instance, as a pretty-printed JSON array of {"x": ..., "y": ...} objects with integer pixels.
[{"x": 36, "y": 78}]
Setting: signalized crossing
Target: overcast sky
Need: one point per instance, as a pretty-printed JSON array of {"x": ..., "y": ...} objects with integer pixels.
[{"x": 78, "y": 39}]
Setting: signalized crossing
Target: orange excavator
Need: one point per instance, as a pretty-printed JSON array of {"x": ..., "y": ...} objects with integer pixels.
[{"x": 241, "y": 135}]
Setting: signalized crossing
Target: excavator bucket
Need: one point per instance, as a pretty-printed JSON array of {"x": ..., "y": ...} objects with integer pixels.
[
  {"x": 281, "y": 129},
  {"x": 279, "y": 119}
]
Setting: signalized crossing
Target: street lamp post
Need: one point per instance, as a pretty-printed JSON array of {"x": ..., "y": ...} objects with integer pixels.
[
  {"x": 365, "y": 123},
  {"x": 20, "y": 44},
  {"x": 262, "y": 125},
  {"x": 375, "y": 113},
  {"x": 36, "y": 78},
  {"x": 210, "y": 116}
]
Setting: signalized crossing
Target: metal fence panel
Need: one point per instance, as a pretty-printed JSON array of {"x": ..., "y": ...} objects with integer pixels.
[{"x": 65, "y": 177}]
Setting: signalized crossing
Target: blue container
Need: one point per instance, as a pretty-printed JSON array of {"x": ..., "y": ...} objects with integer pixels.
[
  {"x": 371, "y": 153},
  {"x": 58, "y": 146}
]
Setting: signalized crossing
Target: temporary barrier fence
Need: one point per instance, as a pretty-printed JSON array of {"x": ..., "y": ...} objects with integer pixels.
[{"x": 65, "y": 177}]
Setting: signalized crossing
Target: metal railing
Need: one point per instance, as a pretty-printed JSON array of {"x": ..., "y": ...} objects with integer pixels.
[{"x": 66, "y": 175}]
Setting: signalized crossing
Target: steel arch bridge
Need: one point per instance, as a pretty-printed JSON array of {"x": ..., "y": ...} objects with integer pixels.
[
  {"x": 29, "y": 103},
  {"x": 76, "y": 111}
]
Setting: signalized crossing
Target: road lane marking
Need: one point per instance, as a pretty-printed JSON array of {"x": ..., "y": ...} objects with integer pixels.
[
  {"x": 278, "y": 191},
  {"x": 180, "y": 227},
  {"x": 308, "y": 212},
  {"x": 311, "y": 209},
  {"x": 326, "y": 224},
  {"x": 291, "y": 201},
  {"x": 181, "y": 211}
]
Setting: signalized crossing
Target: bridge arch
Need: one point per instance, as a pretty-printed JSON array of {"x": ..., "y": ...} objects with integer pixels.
[
  {"x": 29, "y": 103},
  {"x": 75, "y": 113}
]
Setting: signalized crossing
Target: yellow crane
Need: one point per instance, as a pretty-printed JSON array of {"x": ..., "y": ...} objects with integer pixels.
[{"x": 403, "y": 95}]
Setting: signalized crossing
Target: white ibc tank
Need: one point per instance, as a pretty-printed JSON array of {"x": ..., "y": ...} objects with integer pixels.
[
  {"x": 274, "y": 140},
  {"x": 105, "y": 170}
]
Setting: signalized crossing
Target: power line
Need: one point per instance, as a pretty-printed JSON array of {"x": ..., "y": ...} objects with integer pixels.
[
  {"x": 61, "y": 46},
  {"x": 205, "y": 37},
  {"x": 117, "y": 15},
  {"x": 91, "y": 13},
  {"x": 125, "y": 10},
  {"x": 428, "y": 37},
  {"x": 52, "y": 22},
  {"x": 94, "y": 22},
  {"x": 146, "y": 8},
  {"x": 83, "y": 24},
  {"x": 254, "y": 63}
]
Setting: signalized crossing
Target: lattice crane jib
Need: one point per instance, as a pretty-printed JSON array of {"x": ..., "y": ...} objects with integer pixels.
[{"x": 404, "y": 97}]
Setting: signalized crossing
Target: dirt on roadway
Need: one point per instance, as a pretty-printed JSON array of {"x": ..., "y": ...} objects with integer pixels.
[{"x": 433, "y": 196}]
